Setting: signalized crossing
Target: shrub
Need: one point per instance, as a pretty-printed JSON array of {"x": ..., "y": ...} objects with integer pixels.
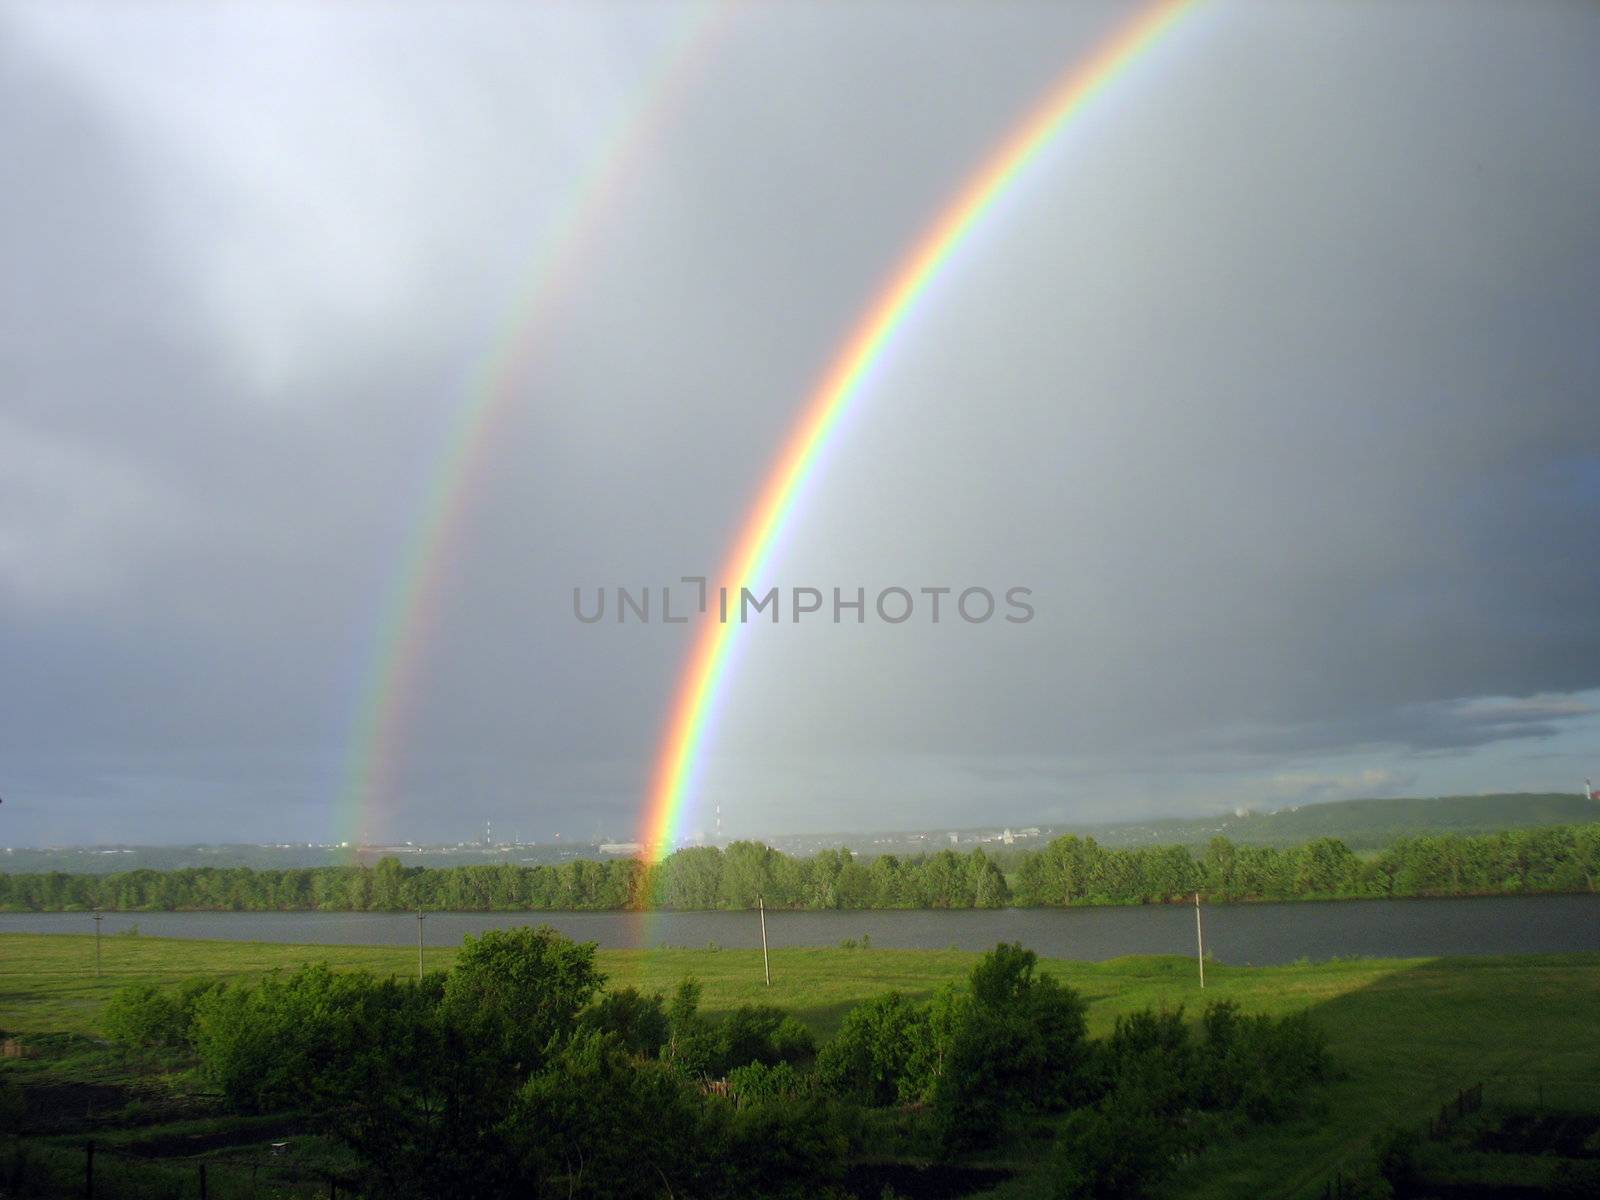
[
  {"x": 523, "y": 987},
  {"x": 752, "y": 1033},
  {"x": 870, "y": 1058},
  {"x": 595, "y": 1123},
  {"x": 758, "y": 1083},
  {"x": 1114, "y": 1150},
  {"x": 140, "y": 1014},
  {"x": 1149, "y": 1055},
  {"x": 1397, "y": 1155},
  {"x": 1256, "y": 1064},
  {"x": 639, "y": 1022},
  {"x": 1019, "y": 1044}
]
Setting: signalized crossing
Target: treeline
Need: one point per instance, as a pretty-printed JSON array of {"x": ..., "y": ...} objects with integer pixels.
[
  {"x": 516, "y": 1074},
  {"x": 1070, "y": 870}
]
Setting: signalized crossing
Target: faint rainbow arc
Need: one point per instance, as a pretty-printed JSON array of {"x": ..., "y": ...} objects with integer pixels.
[
  {"x": 411, "y": 610},
  {"x": 705, "y": 670}
]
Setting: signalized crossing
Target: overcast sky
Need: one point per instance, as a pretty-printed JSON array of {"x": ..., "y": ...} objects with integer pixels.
[{"x": 1277, "y": 380}]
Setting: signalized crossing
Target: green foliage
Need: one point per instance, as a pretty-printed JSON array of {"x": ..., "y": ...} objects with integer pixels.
[
  {"x": 1256, "y": 1064},
  {"x": 790, "y": 1150},
  {"x": 1021, "y": 1044},
  {"x": 1070, "y": 870},
  {"x": 758, "y": 1083},
  {"x": 1576, "y": 1179},
  {"x": 1155, "y": 1081},
  {"x": 752, "y": 1033},
  {"x": 639, "y": 1022},
  {"x": 1150, "y": 1058},
  {"x": 144, "y": 1015},
  {"x": 502, "y": 1079},
  {"x": 523, "y": 986},
  {"x": 595, "y": 1123},
  {"x": 871, "y": 1058},
  {"x": 139, "y": 1014},
  {"x": 1396, "y": 1155},
  {"x": 1112, "y": 1151},
  {"x": 266, "y": 1046}
]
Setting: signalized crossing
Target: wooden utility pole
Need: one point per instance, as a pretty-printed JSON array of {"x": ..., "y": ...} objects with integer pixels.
[
  {"x": 97, "y": 919},
  {"x": 766, "y": 963},
  {"x": 419, "y": 943},
  {"x": 1199, "y": 942}
]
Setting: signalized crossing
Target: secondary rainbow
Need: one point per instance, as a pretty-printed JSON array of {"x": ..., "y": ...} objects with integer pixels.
[
  {"x": 410, "y": 613},
  {"x": 705, "y": 671}
]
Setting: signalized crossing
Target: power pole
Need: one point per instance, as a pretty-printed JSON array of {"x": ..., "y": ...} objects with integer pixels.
[
  {"x": 419, "y": 943},
  {"x": 766, "y": 963},
  {"x": 1199, "y": 942},
  {"x": 97, "y": 919}
]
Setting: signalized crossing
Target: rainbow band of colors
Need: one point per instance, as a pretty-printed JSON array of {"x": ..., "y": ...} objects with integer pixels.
[
  {"x": 410, "y": 615},
  {"x": 704, "y": 674}
]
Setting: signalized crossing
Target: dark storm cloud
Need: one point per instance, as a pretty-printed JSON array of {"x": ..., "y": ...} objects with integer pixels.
[{"x": 1276, "y": 382}]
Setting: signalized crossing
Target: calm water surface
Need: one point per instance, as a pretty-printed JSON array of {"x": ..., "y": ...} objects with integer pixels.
[{"x": 1258, "y": 934}]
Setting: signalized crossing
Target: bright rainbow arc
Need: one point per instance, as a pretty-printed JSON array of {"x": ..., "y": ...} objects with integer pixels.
[
  {"x": 705, "y": 671},
  {"x": 399, "y": 647}
]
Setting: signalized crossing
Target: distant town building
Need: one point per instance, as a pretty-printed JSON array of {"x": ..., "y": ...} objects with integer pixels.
[{"x": 621, "y": 847}]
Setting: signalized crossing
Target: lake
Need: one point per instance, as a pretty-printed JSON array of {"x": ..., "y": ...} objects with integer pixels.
[{"x": 1259, "y": 934}]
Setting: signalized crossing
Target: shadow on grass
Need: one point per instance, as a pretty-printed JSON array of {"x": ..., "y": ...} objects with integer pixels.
[{"x": 1404, "y": 1044}]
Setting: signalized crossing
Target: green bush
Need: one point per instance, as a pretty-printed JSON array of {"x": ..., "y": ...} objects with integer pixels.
[
  {"x": 759, "y": 1033},
  {"x": 1112, "y": 1151},
  {"x": 523, "y": 987},
  {"x": 1257, "y": 1065},
  {"x": 1019, "y": 1045},
  {"x": 1151, "y": 1056},
  {"x": 870, "y": 1058},
  {"x": 1397, "y": 1155},
  {"x": 639, "y": 1022},
  {"x": 140, "y": 1014},
  {"x": 758, "y": 1083}
]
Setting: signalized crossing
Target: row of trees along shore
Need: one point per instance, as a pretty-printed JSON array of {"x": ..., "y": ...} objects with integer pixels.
[{"x": 1070, "y": 870}]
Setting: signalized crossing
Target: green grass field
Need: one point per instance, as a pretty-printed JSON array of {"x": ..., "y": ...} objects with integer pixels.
[{"x": 1407, "y": 1033}]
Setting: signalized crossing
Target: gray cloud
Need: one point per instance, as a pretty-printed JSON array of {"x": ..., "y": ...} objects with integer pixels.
[{"x": 1275, "y": 380}]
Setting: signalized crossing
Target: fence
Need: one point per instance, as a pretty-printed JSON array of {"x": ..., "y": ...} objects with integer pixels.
[{"x": 100, "y": 1172}]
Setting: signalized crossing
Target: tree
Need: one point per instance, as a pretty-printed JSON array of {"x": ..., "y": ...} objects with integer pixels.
[
  {"x": 871, "y": 1057},
  {"x": 1020, "y": 1044},
  {"x": 639, "y": 1023},
  {"x": 1113, "y": 1151},
  {"x": 523, "y": 986}
]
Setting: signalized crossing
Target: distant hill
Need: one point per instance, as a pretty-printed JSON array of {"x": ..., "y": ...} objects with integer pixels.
[
  {"x": 1360, "y": 824},
  {"x": 102, "y": 860}
]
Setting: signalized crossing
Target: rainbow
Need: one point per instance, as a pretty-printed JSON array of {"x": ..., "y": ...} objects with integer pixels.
[
  {"x": 399, "y": 647},
  {"x": 706, "y": 668}
]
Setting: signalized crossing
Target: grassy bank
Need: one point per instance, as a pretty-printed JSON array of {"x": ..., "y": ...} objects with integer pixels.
[{"x": 1407, "y": 1033}]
